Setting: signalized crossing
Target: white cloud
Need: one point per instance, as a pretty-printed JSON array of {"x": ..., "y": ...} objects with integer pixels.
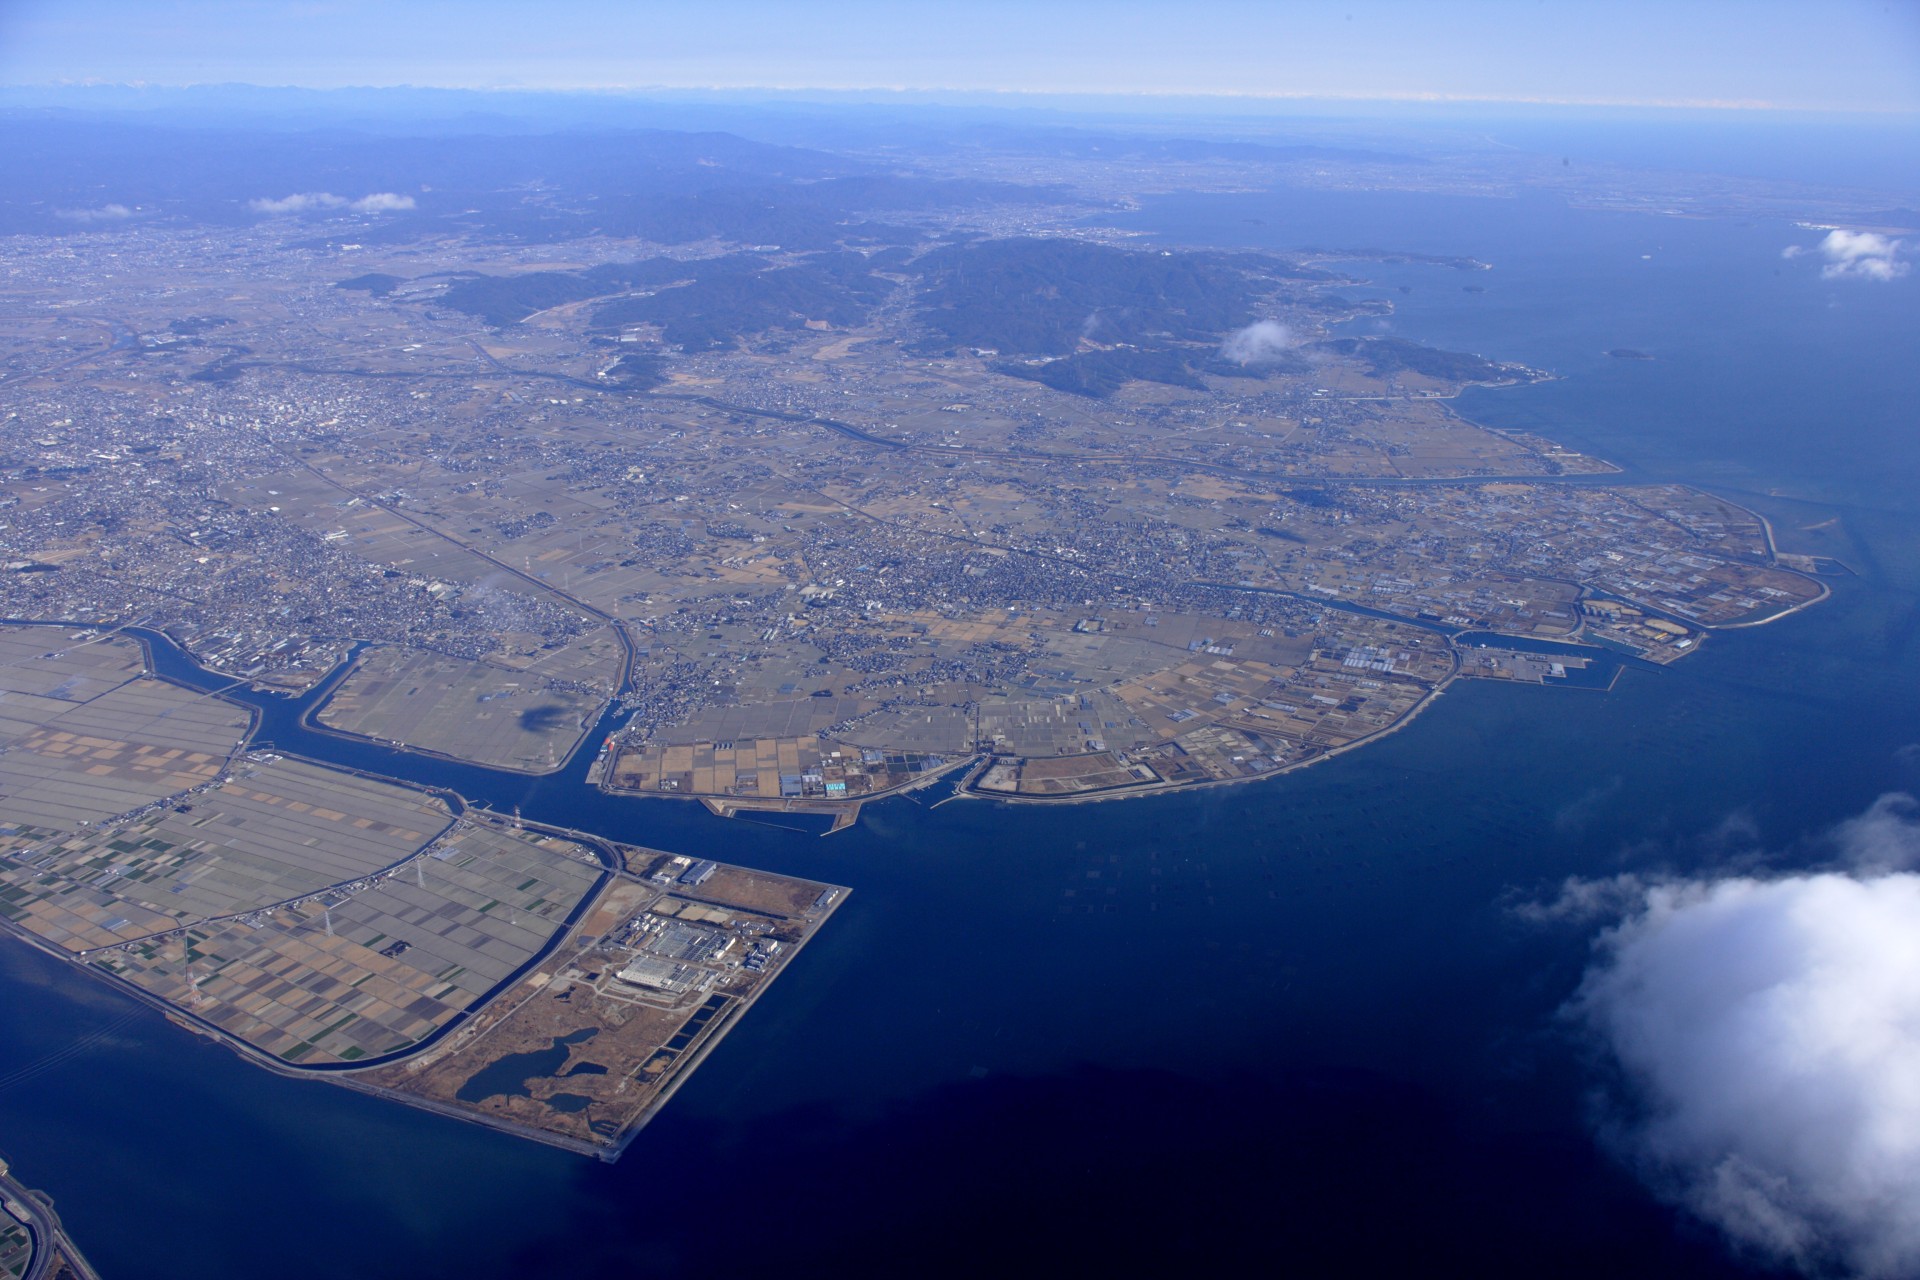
[
  {"x": 1768, "y": 1035},
  {"x": 1884, "y": 838},
  {"x": 1261, "y": 342},
  {"x": 382, "y": 202},
  {"x": 310, "y": 201},
  {"x": 1861, "y": 255},
  {"x": 1583, "y": 901},
  {"x": 299, "y": 202},
  {"x": 106, "y": 213}
]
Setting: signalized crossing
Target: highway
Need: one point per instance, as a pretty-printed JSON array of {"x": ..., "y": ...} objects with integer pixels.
[{"x": 50, "y": 1242}]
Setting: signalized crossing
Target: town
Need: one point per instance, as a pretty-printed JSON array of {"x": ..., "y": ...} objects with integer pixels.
[{"x": 783, "y": 559}]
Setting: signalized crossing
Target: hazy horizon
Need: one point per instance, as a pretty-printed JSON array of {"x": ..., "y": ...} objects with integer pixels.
[{"x": 1771, "y": 56}]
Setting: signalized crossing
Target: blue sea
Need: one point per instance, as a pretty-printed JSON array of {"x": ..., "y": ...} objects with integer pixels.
[{"x": 1295, "y": 1026}]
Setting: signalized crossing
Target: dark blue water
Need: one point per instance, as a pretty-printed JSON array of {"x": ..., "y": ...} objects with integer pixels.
[
  {"x": 1764, "y": 375},
  {"x": 1291, "y": 1025}
]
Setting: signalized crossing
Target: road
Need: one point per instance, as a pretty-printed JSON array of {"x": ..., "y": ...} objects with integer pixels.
[{"x": 50, "y": 1242}]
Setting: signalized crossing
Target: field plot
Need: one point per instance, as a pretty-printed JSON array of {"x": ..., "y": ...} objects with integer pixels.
[
  {"x": 321, "y": 918},
  {"x": 1242, "y": 703},
  {"x": 927, "y": 730},
  {"x": 85, "y": 736},
  {"x": 470, "y": 710},
  {"x": 1037, "y": 726},
  {"x": 587, "y": 1047},
  {"x": 312, "y": 914},
  {"x": 270, "y": 831},
  {"x": 375, "y": 966},
  {"x": 785, "y": 718},
  {"x": 768, "y": 769},
  {"x": 43, "y": 659},
  {"x": 16, "y": 1246}
]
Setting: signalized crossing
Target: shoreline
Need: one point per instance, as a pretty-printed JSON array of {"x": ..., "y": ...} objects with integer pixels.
[{"x": 52, "y": 1247}]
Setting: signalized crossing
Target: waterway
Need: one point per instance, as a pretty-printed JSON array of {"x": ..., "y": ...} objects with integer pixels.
[{"x": 1296, "y": 1020}]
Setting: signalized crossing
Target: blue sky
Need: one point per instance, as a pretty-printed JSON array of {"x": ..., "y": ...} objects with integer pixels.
[{"x": 1838, "y": 55}]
